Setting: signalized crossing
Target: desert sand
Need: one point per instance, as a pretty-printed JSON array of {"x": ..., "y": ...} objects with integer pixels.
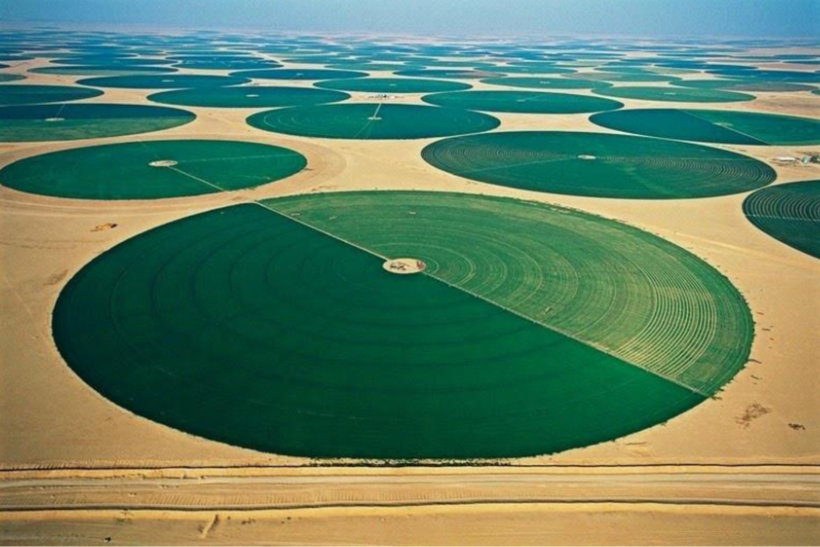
[{"x": 59, "y": 433}]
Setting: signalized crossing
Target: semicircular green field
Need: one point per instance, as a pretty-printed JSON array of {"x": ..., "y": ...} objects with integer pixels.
[
  {"x": 745, "y": 85},
  {"x": 373, "y": 121},
  {"x": 248, "y": 96},
  {"x": 34, "y": 94},
  {"x": 625, "y": 77},
  {"x": 598, "y": 165},
  {"x": 275, "y": 327},
  {"x": 718, "y": 126},
  {"x": 394, "y": 85},
  {"x": 70, "y": 121},
  {"x": 5, "y": 78},
  {"x": 300, "y": 74},
  {"x": 675, "y": 94},
  {"x": 546, "y": 83},
  {"x": 102, "y": 70},
  {"x": 789, "y": 213},
  {"x": 532, "y": 102},
  {"x": 152, "y": 169},
  {"x": 447, "y": 74},
  {"x": 164, "y": 81}
]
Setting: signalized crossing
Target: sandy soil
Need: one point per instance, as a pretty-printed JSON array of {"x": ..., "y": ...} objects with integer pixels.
[{"x": 49, "y": 419}]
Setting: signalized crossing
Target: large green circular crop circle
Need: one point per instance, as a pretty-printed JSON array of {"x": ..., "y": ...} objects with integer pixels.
[
  {"x": 68, "y": 121},
  {"x": 531, "y": 102},
  {"x": 598, "y": 165},
  {"x": 162, "y": 81},
  {"x": 248, "y": 97},
  {"x": 675, "y": 94},
  {"x": 152, "y": 169},
  {"x": 393, "y": 85},
  {"x": 532, "y": 329},
  {"x": 718, "y": 126},
  {"x": 34, "y": 94},
  {"x": 373, "y": 121},
  {"x": 789, "y": 213}
]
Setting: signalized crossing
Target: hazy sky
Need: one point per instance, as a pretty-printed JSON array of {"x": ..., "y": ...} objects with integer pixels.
[{"x": 761, "y": 18}]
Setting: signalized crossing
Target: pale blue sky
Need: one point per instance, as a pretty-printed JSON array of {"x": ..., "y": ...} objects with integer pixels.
[{"x": 759, "y": 18}]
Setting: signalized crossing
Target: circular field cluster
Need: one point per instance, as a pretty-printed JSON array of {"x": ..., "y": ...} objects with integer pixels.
[
  {"x": 373, "y": 121},
  {"x": 101, "y": 70},
  {"x": 248, "y": 97},
  {"x": 164, "y": 81},
  {"x": 598, "y": 165},
  {"x": 531, "y": 329},
  {"x": 58, "y": 122},
  {"x": 718, "y": 126},
  {"x": 393, "y": 85},
  {"x": 447, "y": 74},
  {"x": 34, "y": 94},
  {"x": 152, "y": 169},
  {"x": 531, "y": 102},
  {"x": 789, "y": 213},
  {"x": 675, "y": 94}
]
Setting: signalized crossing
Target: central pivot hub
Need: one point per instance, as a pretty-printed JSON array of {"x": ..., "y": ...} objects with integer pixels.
[{"x": 404, "y": 266}]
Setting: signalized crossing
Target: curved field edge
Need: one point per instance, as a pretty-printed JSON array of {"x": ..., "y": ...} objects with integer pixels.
[
  {"x": 789, "y": 213},
  {"x": 664, "y": 309},
  {"x": 207, "y": 360}
]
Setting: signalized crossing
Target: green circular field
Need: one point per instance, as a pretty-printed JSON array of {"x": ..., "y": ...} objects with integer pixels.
[
  {"x": 67, "y": 121},
  {"x": 393, "y": 85},
  {"x": 625, "y": 77},
  {"x": 164, "y": 81},
  {"x": 447, "y": 74},
  {"x": 546, "y": 83},
  {"x": 299, "y": 74},
  {"x": 675, "y": 94},
  {"x": 745, "y": 85},
  {"x": 598, "y": 165},
  {"x": 373, "y": 121},
  {"x": 532, "y": 102},
  {"x": 248, "y": 97},
  {"x": 718, "y": 126},
  {"x": 152, "y": 169},
  {"x": 533, "y": 329},
  {"x": 5, "y": 78},
  {"x": 789, "y": 213},
  {"x": 102, "y": 70},
  {"x": 34, "y": 94}
]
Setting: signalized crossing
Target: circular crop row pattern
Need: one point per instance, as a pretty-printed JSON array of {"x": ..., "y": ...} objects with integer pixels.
[
  {"x": 598, "y": 165},
  {"x": 66, "y": 121},
  {"x": 718, "y": 126},
  {"x": 152, "y": 169},
  {"x": 531, "y": 329},
  {"x": 789, "y": 213},
  {"x": 532, "y": 102},
  {"x": 373, "y": 121}
]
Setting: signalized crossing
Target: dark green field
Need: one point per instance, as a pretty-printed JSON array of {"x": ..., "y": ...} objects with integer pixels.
[
  {"x": 249, "y": 327},
  {"x": 373, "y": 121},
  {"x": 532, "y": 102},
  {"x": 393, "y": 85},
  {"x": 34, "y": 94},
  {"x": 675, "y": 94},
  {"x": 163, "y": 81},
  {"x": 599, "y": 165},
  {"x": 789, "y": 213},
  {"x": 717, "y": 126},
  {"x": 124, "y": 171},
  {"x": 59, "y": 122},
  {"x": 248, "y": 97}
]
